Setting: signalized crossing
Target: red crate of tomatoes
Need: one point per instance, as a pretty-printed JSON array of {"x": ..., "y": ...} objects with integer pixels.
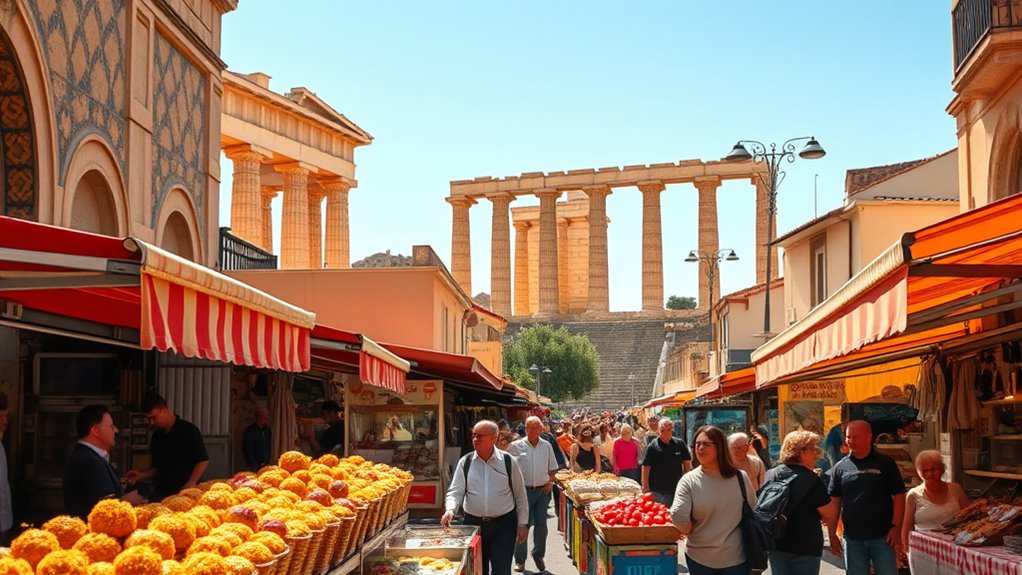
[{"x": 635, "y": 520}]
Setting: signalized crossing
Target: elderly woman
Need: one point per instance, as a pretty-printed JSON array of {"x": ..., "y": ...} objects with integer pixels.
[
  {"x": 800, "y": 550},
  {"x": 929, "y": 504},
  {"x": 585, "y": 456},
  {"x": 625, "y": 457},
  {"x": 708, "y": 508},
  {"x": 741, "y": 449}
]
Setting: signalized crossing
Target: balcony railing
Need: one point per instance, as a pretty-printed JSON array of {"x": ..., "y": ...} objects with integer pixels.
[
  {"x": 237, "y": 254},
  {"x": 974, "y": 19}
]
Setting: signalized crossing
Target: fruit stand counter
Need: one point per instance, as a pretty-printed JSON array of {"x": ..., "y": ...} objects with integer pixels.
[{"x": 937, "y": 554}]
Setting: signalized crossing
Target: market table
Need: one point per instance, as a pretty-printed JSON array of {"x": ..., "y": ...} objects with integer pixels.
[{"x": 937, "y": 554}]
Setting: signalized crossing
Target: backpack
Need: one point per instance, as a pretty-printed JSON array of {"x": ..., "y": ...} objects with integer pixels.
[
  {"x": 775, "y": 500},
  {"x": 466, "y": 461}
]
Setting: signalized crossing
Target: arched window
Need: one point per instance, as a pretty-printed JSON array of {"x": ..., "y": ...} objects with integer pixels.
[
  {"x": 176, "y": 237},
  {"x": 93, "y": 206}
]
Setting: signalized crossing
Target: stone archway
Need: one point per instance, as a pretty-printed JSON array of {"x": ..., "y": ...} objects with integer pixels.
[
  {"x": 176, "y": 236},
  {"x": 177, "y": 230},
  {"x": 93, "y": 208},
  {"x": 1005, "y": 178},
  {"x": 18, "y": 163}
]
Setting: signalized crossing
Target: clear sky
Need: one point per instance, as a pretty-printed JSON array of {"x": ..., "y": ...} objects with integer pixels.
[{"x": 457, "y": 90}]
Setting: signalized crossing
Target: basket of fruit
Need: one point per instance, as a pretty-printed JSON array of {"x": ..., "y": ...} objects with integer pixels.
[{"x": 634, "y": 521}]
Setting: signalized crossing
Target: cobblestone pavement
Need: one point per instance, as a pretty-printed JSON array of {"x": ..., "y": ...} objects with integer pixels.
[{"x": 558, "y": 563}]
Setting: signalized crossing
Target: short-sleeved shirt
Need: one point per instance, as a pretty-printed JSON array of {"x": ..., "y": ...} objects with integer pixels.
[
  {"x": 664, "y": 461},
  {"x": 175, "y": 454},
  {"x": 865, "y": 487},
  {"x": 807, "y": 493}
]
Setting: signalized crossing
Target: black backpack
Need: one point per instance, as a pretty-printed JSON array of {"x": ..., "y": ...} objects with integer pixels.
[{"x": 775, "y": 501}]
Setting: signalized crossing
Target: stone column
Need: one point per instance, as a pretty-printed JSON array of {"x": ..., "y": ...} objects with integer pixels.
[
  {"x": 266, "y": 198},
  {"x": 563, "y": 277},
  {"x": 652, "y": 247},
  {"x": 522, "y": 268},
  {"x": 763, "y": 232},
  {"x": 246, "y": 205},
  {"x": 294, "y": 222},
  {"x": 338, "y": 255},
  {"x": 461, "y": 243},
  {"x": 709, "y": 241},
  {"x": 316, "y": 228},
  {"x": 548, "y": 292},
  {"x": 599, "y": 294},
  {"x": 500, "y": 255}
]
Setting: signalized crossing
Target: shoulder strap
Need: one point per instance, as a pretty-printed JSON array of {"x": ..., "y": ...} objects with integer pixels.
[
  {"x": 507, "y": 467},
  {"x": 466, "y": 460},
  {"x": 802, "y": 491},
  {"x": 741, "y": 485}
]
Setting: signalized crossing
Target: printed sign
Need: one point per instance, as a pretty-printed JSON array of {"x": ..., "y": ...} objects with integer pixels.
[{"x": 831, "y": 392}]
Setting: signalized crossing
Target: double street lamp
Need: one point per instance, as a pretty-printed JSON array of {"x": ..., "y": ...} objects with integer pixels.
[
  {"x": 712, "y": 266},
  {"x": 538, "y": 372},
  {"x": 773, "y": 178}
]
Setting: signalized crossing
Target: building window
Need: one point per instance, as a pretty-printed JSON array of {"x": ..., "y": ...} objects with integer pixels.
[
  {"x": 818, "y": 270},
  {"x": 443, "y": 322}
]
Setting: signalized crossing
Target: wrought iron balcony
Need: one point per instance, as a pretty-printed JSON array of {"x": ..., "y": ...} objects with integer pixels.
[
  {"x": 973, "y": 20},
  {"x": 237, "y": 254}
]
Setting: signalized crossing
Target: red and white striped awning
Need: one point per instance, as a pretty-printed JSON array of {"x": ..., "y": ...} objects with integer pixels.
[
  {"x": 51, "y": 278},
  {"x": 346, "y": 351}
]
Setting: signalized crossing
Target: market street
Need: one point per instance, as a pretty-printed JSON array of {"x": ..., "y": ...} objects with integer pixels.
[{"x": 558, "y": 563}]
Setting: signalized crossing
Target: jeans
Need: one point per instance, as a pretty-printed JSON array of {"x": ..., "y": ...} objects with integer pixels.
[
  {"x": 699, "y": 569},
  {"x": 498, "y": 541},
  {"x": 859, "y": 553},
  {"x": 784, "y": 563},
  {"x": 539, "y": 503}
]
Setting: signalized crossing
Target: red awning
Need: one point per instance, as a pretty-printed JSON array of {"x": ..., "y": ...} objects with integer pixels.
[
  {"x": 356, "y": 353},
  {"x": 50, "y": 277},
  {"x": 673, "y": 399},
  {"x": 730, "y": 383},
  {"x": 463, "y": 369},
  {"x": 931, "y": 288}
]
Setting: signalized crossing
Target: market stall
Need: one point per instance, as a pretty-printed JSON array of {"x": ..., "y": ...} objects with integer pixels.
[{"x": 609, "y": 526}]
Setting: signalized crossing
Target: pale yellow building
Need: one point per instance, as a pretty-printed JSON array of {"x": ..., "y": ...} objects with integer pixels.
[
  {"x": 739, "y": 325},
  {"x": 987, "y": 105}
]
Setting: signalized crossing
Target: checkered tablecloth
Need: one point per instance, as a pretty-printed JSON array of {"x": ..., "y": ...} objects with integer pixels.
[{"x": 936, "y": 554}]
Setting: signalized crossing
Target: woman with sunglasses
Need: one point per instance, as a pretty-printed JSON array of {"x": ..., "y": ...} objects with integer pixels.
[
  {"x": 800, "y": 550},
  {"x": 708, "y": 508}
]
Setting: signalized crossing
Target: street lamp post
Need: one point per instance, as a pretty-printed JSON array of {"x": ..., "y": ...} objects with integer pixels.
[
  {"x": 712, "y": 262},
  {"x": 774, "y": 176},
  {"x": 539, "y": 372}
]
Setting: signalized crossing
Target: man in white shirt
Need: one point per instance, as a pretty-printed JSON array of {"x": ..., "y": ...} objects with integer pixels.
[
  {"x": 488, "y": 484},
  {"x": 539, "y": 465}
]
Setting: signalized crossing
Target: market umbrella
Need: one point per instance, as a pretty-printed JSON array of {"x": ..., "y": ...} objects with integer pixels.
[{"x": 282, "y": 415}]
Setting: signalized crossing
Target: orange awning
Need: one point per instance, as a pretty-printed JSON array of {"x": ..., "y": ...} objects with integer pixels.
[
  {"x": 675, "y": 399},
  {"x": 931, "y": 287},
  {"x": 730, "y": 383}
]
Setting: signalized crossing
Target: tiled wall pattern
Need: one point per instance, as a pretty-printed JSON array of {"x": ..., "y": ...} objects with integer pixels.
[
  {"x": 84, "y": 44},
  {"x": 179, "y": 126},
  {"x": 17, "y": 145}
]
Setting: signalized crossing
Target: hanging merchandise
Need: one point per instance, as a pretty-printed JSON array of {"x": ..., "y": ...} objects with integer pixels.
[
  {"x": 965, "y": 404},
  {"x": 930, "y": 394}
]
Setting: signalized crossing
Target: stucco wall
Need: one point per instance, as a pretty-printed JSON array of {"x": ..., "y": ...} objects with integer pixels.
[{"x": 745, "y": 320}]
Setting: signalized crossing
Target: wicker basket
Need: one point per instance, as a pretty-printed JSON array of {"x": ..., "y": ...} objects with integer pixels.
[
  {"x": 283, "y": 562},
  {"x": 315, "y": 545},
  {"x": 268, "y": 568},
  {"x": 345, "y": 540},
  {"x": 374, "y": 517},
  {"x": 299, "y": 551},
  {"x": 328, "y": 547},
  {"x": 362, "y": 513},
  {"x": 406, "y": 492}
]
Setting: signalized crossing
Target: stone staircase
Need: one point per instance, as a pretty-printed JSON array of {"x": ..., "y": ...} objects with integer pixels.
[{"x": 627, "y": 344}]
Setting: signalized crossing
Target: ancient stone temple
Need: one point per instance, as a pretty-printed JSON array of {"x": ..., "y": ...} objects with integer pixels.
[
  {"x": 293, "y": 144},
  {"x": 560, "y": 251}
]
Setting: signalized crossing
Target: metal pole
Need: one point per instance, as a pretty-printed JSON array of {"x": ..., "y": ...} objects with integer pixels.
[{"x": 771, "y": 210}]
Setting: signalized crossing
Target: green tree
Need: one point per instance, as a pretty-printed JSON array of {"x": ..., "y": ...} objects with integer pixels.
[
  {"x": 572, "y": 359},
  {"x": 681, "y": 302}
]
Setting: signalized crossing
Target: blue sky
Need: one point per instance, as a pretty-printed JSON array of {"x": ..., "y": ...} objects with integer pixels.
[{"x": 457, "y": 90}]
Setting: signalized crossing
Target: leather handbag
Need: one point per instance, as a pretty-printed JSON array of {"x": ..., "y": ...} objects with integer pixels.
[{"x": 756, "y": 539}]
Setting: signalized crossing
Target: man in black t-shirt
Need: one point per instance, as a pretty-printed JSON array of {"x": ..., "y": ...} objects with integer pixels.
[
  {"x": 667, "y": 458},
  {"x": 868, "y": 489},
  {"x": 178, "y": 453},
  {"x": 332, "y": 439}
]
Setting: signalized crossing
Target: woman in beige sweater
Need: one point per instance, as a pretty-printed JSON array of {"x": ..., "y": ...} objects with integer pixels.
[{"x": 708, "y": 508}]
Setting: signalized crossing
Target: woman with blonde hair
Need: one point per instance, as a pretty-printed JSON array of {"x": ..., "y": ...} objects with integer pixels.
[
  {"x": 800, "y": 550},
  {"x": 708, "y": 508},
  {"x": 625, "y": 457},
  {"x": 931, "y": 503}
]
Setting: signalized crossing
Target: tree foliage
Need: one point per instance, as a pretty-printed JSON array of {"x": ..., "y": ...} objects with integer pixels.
[
  {"x": 681, "y": 302},
  {"x": 572, "y": 359}
]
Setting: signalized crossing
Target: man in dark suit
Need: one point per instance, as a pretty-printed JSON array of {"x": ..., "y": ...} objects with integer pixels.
[{"x": 88, "y": 476}]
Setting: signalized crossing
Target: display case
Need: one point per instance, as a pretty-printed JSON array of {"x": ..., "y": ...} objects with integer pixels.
[{"x": 400, "y": 430}]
